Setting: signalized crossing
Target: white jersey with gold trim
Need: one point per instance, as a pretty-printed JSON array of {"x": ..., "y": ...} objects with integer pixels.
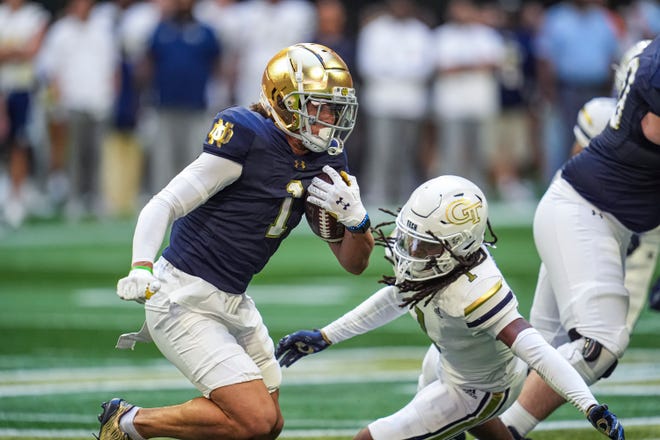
[
  {"x": 463, "y": 321},
  {"x": 468, "y": 376}
]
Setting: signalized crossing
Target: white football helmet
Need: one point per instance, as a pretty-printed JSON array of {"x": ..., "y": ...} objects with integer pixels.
[
  {"x": 310, "y": 73},
  {"x": 444, "y": 217},
  {"x": 621, "y": 69},
  {"x": 592, "y": 119}
]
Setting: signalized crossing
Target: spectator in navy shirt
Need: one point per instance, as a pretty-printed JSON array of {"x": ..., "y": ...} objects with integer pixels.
[{"x": 183, "y": 56}]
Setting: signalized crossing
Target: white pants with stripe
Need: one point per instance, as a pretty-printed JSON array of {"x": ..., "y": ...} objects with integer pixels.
[{"x": 441, "y": 409}]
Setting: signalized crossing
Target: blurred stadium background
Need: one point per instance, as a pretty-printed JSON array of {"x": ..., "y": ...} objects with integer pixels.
[{"x": 356, "y": 5}]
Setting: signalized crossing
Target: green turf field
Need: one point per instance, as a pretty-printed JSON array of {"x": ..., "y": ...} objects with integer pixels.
[{"x": 60, "y": 317}]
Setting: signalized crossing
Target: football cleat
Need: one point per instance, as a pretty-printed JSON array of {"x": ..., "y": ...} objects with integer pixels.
[{"x": 109, "y": 418}]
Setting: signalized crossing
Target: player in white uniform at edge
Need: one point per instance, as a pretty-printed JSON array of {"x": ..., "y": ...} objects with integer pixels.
[
  {"x": 446, "y": 279},
  {"x": 231, "y": 208},
  {"x": 582, "y": 229}
]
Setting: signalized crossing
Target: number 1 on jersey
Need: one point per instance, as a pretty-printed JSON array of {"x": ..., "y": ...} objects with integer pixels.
[{"x": 277, "y": 228}]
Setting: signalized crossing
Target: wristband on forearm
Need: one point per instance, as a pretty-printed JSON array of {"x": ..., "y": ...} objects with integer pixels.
[
  {"x": 325, "y": 337},
  {"x": 143, "y": 267},
  {"x": 361, "y": 227}
]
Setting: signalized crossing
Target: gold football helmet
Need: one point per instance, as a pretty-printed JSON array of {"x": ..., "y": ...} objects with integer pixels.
[{"x": 310, "y": 73}]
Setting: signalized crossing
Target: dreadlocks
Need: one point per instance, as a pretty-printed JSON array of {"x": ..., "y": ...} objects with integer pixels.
[{"x": 425, "y": 290}]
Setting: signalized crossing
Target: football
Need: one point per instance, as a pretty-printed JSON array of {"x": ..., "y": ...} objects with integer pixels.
[{"x": 321, "y": 222}]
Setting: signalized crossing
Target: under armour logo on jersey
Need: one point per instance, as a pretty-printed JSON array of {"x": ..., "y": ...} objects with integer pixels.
[
  {"x": 299, "y": 164},
  {"x": 343, "y": 204},
  {"x": 462, "y": 211},
  {"x": 221, "y": 133}
]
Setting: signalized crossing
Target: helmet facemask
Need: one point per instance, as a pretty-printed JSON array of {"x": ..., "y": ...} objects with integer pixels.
[
  {"x": 421, "y": 259},
  {"x": 308, "y": 107}
]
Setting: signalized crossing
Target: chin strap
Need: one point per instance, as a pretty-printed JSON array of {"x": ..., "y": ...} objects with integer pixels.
[
  {"x": 333, "y": 148},
  {"x": 336, "y": 147}
]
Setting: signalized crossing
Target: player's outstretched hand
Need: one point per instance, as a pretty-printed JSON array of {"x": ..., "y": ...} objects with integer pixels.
[
  {"x": 605, "y": 422},
  {"x": 301, "y": 343},
  {"x": 138, "y": 286},
  {"x": 341, "y": 197}
]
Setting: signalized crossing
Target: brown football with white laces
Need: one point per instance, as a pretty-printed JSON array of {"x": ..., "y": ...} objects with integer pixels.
[{"x": 321, "y": 222}]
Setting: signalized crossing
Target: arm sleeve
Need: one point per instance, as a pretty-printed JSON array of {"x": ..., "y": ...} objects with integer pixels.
[
  {"x": 204, "y": 177},
  {"x": 379, "y": 309},
  {"x": 553, "y": 368}
]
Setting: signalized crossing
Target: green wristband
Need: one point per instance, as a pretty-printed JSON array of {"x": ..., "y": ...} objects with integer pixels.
[{"x": 151, "y": 271}]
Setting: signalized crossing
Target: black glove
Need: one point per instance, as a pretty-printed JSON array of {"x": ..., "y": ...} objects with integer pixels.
[
  {"x": 301, "y": 343},
  {"x": 606, "y": 422}
]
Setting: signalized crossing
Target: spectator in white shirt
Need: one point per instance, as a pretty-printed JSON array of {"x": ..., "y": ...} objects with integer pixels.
[
  {"x": 394, "y": 64},
  {"x": 22, "y": 28},
  {"x": 466, "y": 98},
  {"x": 79, "y": 60}
]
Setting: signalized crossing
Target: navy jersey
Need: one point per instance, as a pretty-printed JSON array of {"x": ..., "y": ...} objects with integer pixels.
[
  {"x": 231, "y": 236},
  {"x": 620, "y": 171}
]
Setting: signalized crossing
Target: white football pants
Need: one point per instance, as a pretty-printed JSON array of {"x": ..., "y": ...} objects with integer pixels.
[{"x": 581, "y": 280}]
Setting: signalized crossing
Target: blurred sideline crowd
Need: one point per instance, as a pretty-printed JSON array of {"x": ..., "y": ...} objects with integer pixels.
[{"x": 103, "y": 103}]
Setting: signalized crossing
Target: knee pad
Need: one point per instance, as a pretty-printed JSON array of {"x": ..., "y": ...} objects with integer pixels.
[
  {"x": 589, "y": 358},
  {"x": 272, "y": 374}
]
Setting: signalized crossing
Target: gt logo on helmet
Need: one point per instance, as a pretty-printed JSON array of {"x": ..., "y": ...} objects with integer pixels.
[{"x": 461, "y": 212}]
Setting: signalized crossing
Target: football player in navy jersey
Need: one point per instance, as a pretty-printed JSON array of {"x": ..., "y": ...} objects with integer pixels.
[
  {"x": 231, "y": 208},
  {"x": 582, "y": 228},
  {"x": 482, "y": 347}
]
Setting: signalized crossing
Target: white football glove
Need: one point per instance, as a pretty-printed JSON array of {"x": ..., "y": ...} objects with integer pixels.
[
  {"x": 138, "y": 286},
  {"x": 341, "y": 198}
]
